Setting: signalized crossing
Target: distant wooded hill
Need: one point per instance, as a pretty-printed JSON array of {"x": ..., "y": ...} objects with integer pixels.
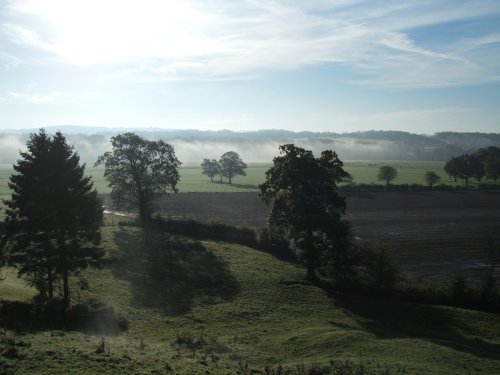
[{"x": 192, "y": 146}]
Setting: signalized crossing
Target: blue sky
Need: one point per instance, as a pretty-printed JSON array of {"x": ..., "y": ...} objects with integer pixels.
[{"x": 323, "y": 65}]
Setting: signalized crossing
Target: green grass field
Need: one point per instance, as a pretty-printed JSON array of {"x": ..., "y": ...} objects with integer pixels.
[
  {"x": 242, "y": 310},
  {"x": 192, "y": 180}
]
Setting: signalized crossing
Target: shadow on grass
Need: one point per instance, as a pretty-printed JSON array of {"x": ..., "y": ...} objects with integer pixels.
[
  {"x": 91, "y": 317},
  {"x": 241, "y": 186},
  {"x": 392, "y": 319},
  {"x": 170, "y": 272}
]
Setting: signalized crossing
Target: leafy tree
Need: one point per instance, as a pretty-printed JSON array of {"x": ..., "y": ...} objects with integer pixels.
[
  {"x": 431, "y": 178},
  {"x": 492, "y": 169},
  {"x": 232, "y": 165},
  {"x": 138, "y": 171},
  {"x": 306, "y": 207},
  {"x": 382, "y": 267},
  {"x": 468, "y": 166},
  {"x": 54, "y": 216},
  {"x": 452, "y": 168},
  {"x": 490, "y": 156},
  {"x": 211, "y": 168},
  {"x": 387, "y": 173}
]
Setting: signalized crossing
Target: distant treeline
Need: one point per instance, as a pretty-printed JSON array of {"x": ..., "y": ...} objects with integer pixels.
[{"x": 192, "y": 146}]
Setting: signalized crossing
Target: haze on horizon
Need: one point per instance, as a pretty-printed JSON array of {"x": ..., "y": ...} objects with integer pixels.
[{"x": 320, "y": 65}]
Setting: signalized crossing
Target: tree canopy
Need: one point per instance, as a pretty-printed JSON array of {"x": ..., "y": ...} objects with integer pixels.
[
  {"x": 306, "y": 207},
  {"x": 231, "y": 165},
  {"x": 490, "y": 156},
  {"x": 387, "y": 173},
  {"x": 54, "y": 215},
  {"x": 465, "y": 167},
  {"x": 211, "y": 168},
  {"x": 139, "y": 171}
]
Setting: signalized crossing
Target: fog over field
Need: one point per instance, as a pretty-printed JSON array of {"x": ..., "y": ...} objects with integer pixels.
[{"x": 191, "y": 146}]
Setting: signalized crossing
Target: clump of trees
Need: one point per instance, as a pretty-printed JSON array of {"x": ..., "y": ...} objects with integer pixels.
[
  {"x": 229, "y": 165},
  {"x": 387, "y": 173},
  {"x": 306, "y": 208},
  {"x": 485, "y": 162},
  {"x": 139, "y": 171},
  {"x": 53, "y": 217}
]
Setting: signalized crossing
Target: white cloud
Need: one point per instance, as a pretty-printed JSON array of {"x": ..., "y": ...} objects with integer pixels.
[{"x": 174, "y": 39}]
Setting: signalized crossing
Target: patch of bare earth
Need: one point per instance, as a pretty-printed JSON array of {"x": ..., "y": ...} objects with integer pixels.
[{"x": 434, "y": 235}]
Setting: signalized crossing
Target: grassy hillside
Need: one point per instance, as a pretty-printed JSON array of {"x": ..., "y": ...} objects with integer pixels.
[{"x": 221, "y": 308}]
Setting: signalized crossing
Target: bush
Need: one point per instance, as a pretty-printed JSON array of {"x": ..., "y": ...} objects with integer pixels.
[
  {"x": 213, "y": 231},
  {"x": 381, "y": 267},
  {"x": 275, "y": 245}
]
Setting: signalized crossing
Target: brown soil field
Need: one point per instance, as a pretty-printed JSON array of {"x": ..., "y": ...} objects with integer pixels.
[{"x": 434, "y": 235}]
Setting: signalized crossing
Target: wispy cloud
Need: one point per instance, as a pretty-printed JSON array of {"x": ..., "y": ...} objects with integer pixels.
[
  {"x": 32, "y": 97},
  {"x": 9, "y": 61},
  {"x": 175, "y": 39}
]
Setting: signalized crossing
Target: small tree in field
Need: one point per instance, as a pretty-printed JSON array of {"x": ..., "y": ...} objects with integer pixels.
[
  {"x": 431, "y": 178},
  {"x": 54, "y": 216},
  {"x": 231, "y": 165},
  {"x": 387, "y": 173},
  {"x": 306, "y": 207},
  {"x": 452, "y": 168},
  {"x": 138, "y": 171},
  {"x": 211, "y": 168}
]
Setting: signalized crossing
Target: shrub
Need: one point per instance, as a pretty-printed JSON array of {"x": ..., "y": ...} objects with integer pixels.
[
  {"x": 382, "y": 268},
  {"x": 213, "y": 231}
]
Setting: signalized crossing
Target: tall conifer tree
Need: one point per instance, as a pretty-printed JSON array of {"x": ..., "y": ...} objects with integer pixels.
[{"x": 53, "y": 217}]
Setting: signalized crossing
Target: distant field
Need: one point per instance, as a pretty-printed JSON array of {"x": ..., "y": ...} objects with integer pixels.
[{"x": 409, "y": 172}]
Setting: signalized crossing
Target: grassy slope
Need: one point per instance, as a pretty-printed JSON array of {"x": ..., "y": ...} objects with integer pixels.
[{"x": 250, "y": 308}]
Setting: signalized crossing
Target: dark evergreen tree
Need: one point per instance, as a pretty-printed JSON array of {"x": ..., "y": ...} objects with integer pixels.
[{"x": 54, "y": 216}]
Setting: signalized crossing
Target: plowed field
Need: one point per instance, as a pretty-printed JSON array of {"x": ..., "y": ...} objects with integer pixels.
[{"x": 433, "y": 234}]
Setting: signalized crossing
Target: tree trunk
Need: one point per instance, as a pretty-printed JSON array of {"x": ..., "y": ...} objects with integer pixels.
[
  {"x": 211, "y": 178},
  {"x": 229, "y": 179},
  {"x": 310, "y": 258},
  {"x": 63, "y": 251},
  {"x": 143, "y": 212},
  {"x": 50, "y": 282},
  {"x": 466, "y": 183},
  {"x": 50, "y": 269}
]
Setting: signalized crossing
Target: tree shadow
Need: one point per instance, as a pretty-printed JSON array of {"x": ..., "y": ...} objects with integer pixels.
[
  {"x": 241, "y": 186},
  {"x": 170, "y": 272},
  {"x": 436, "y": 324},
  {"x": 90, "y": 317}
]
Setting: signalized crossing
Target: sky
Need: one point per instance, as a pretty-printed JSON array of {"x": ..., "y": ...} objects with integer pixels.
[{"x": 319, "y": 65}]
